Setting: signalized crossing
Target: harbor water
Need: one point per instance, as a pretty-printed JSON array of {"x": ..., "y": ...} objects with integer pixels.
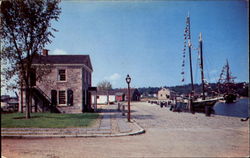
[{"x": 237, "y": 109}]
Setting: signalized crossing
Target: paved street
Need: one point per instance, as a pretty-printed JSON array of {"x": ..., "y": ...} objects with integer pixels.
[{"x": 167, "y": 134}]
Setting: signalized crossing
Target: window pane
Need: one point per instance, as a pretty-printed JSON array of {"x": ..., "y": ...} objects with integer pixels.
[
  {"x": 62, "y": 97},
  {"x": 62, "y": 75}
]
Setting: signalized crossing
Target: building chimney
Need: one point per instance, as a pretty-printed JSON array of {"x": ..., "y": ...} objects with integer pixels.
[{"x": 45, "y": 52}]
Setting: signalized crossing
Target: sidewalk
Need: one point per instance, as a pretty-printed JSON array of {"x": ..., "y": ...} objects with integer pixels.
[{"x": 112, "y": 124}]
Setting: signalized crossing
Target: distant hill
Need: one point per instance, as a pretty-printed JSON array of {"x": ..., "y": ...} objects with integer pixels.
[{"x": 240, "y": 88}]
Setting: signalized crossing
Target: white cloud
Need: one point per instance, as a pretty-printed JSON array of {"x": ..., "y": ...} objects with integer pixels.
[
  {"x": 113, "y": 77},
  {"x": 58, "y": 52}
]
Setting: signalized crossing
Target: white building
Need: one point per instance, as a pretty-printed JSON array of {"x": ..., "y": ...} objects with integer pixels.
[
  {"x": 166, "y": 94},
  {"x": 104, "y": 97}
]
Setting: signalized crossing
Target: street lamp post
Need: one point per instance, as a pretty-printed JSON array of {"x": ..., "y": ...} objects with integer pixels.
[{"x": 128, "y": 80}]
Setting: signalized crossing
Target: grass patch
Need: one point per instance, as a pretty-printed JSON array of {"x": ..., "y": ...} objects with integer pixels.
[{"x": 48, "y": 120}]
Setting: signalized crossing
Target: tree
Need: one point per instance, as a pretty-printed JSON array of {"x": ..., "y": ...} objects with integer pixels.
[
  {"x": 25, "y": 30},
  {"x": 104, "y": 85}
]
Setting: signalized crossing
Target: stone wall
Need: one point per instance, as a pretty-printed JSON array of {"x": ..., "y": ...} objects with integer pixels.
[{"x": 73, "y": 81}]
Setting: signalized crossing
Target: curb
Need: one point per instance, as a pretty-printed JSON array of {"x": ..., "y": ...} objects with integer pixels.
[{"x": 140, "y": 131}]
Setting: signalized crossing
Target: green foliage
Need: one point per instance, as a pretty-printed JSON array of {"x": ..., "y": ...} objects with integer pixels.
[
  {"x": 240, "y": 88},
  {"x": 48, "y": 120},
  {"x": 25, "y": 30},
  {"x": 149, "y": 90}
]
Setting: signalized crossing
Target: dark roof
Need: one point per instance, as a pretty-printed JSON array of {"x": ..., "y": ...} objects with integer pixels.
[
  {"x": 101, "y": 92},
  {"x": 125, "y": 91},
  {"x": 5, "y": 96},
  {"x": 119, "y": 93},
  {"x": 63, "y": 59}
]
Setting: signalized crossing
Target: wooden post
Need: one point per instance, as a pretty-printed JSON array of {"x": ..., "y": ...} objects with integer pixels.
[
  {"x": 95, "y": 101},
  {"x": 123, "y": 110}
]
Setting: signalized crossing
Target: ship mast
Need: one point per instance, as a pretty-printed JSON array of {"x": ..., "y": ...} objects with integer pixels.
[
  {"x": 228, "y": 78},
  {"x": 201, "y": 64},
  {"x": 190, "y": 54}
]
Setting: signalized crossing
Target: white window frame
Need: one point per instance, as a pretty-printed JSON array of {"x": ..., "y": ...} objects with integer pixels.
[
  {"x": 66, "y": 97},
  {"x": 58, "y": 76}
]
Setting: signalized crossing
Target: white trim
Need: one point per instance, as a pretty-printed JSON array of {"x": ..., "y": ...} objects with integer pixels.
[{"x": 83, "y": 65}]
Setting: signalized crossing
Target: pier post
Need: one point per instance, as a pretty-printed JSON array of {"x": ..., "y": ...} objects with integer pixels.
[
  {"x": 123, "y": 110},
  {"x": 119, "y": 107},
  {"x": 207, "y": 110},
  {"x": 190, "y": 104}
]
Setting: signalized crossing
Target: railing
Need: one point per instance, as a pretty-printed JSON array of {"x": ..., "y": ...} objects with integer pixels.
[
  {"x": 44, "y": 94},
  {"x": 44, "y": 99}
]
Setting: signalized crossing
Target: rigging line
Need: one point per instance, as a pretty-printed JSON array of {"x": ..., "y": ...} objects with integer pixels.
[
  {"x": 207, "y": 73},
  {"x": 186, "y": 69},
  {"x": 208, "y": 65},
  {"x": 197, "y": 68}
]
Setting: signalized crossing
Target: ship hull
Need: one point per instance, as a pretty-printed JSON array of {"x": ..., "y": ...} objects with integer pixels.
[
  {"x": 202, "y": 106},
  {"x": 230, "y": 98}
]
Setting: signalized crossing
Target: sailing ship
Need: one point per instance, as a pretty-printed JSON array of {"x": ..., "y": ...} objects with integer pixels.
[
  {"x": 204, "y": 103},
  {"x": 226, "y": 84}
]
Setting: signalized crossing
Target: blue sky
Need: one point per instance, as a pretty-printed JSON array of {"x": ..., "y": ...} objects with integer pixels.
[{"x": 145, "y": 39}]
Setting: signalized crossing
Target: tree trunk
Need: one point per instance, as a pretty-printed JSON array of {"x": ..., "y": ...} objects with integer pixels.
[
  {"x": 21, "y": 99},
  {"x": 35, "y": 105},
  {"x": 27, "y": 99},
  {"x": 28, "y": 94},
  {"x": 30, "y": 100},
  {"x": 108, "y": 97}
]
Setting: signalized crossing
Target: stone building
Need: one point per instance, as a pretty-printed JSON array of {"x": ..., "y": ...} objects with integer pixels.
[
  {"x": 66, "y": 85},
  {"x": 166, "y": 94}
]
